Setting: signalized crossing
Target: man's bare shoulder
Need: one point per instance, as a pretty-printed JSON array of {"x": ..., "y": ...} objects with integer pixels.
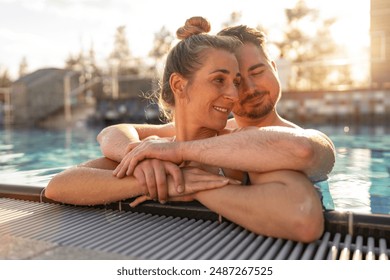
[{"x": 287, "y": 123}]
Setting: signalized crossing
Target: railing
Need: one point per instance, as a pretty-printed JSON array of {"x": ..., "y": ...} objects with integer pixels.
[
  {"x": 69, "y": 92},
  {"x": 6, "y": 108}
]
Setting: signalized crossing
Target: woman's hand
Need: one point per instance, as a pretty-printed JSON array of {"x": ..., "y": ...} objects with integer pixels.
[
  {"x": 195, "y": 180},
  {"x": 152, "y": 174}
]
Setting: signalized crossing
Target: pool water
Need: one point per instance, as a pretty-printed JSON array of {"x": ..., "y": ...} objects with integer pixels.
[
  {"x": 359, "y": 182},
  {"x": 33, "y": 156}
]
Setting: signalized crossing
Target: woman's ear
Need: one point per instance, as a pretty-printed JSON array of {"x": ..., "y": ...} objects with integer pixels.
[{"x": 177, "y": 83}]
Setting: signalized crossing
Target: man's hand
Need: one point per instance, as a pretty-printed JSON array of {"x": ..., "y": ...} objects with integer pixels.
[{"x": 134, "y": 144}]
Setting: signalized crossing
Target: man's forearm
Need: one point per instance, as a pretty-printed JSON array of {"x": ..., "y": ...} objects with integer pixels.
[
  {"x": 264, "y": 150},
  {"x": 286, "y": 196},
  {"x": 115, "y": 139}
]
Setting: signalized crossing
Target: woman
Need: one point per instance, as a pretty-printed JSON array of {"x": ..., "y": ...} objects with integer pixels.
[{"x": 204, "y": 90}]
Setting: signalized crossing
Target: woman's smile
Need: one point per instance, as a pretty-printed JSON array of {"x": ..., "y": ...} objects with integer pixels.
[{"x": 222, "y": 109}]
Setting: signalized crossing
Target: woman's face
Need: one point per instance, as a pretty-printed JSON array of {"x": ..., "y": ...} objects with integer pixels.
[{"x": 213, "y": 90}]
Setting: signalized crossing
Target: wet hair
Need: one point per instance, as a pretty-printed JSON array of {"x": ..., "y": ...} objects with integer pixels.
[
  {"x": 247, "y": 35},
  {"x": 188, "y": 56}
]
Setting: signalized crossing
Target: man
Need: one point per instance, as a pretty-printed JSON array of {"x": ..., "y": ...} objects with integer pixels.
[{"x": 275, "y": 145}]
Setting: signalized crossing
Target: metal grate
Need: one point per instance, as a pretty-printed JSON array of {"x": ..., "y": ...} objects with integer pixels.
[{"x": 150, "y": 236}]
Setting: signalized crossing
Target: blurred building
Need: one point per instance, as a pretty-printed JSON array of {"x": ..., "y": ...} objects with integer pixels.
[
  {"x": 380, "y": 43},
  {"x": 126, "y": 99},
  {"x": 57, "y": 97},
  {"x": 37, "y": 95},
  {"x": 348, "y": 107},
  {"x": 41, "y": 97},
  {"x": 5, "y": 106}
]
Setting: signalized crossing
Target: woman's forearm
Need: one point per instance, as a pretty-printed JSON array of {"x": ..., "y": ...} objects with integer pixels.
[{"x": 91, "y": 186}]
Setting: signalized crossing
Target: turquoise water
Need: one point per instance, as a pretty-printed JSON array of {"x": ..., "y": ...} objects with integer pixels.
[
  {"x": 359, "y": 182},
  {"x": 33, "y": 156}
]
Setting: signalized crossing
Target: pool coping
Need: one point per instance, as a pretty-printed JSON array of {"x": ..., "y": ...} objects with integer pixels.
[{"x": 344, "y": 222}]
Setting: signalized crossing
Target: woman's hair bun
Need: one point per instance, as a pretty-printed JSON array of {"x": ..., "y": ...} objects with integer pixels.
[{"x": 193, "y": 26}]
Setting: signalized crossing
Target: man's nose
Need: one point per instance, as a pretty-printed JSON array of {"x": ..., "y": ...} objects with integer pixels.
[{"x": 246, "y": 87}]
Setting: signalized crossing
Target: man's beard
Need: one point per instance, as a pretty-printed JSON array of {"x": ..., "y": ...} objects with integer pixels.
[{"x": 257, "y": 112}]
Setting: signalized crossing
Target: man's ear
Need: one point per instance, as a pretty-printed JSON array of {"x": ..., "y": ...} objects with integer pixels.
[
  {"x": 273, "y": 64},
  {"x": 177, "y": 83}
]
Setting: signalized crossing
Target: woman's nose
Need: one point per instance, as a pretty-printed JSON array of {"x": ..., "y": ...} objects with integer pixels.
[{"x": 232, "y": 93}]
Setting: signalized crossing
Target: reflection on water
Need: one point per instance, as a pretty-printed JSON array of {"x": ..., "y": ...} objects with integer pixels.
[
  {"x": 35, "y": 177},
  {"x": 350, "y": 181},
  {"x": 33, "y": 156},
  {"x": 359, "y": 182}
]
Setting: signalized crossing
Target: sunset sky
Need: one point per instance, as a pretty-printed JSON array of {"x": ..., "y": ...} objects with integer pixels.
[{"x": 47, "y": 31}]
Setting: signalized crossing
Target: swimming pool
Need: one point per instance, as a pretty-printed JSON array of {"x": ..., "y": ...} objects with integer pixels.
[{"x": 359, "y": 182}]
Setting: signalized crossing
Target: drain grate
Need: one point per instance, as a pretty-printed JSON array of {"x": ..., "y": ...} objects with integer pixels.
[{"x": 150, "y": 236}]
